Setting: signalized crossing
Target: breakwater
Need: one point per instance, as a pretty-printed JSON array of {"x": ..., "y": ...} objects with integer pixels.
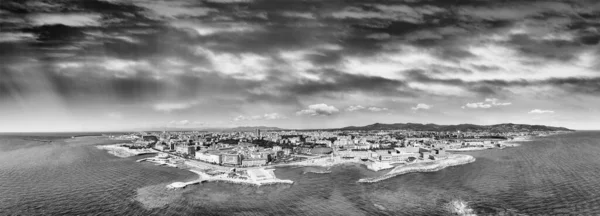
[
  {"x": 203, "y": 177},
  {"x": 432, "y": 166}
]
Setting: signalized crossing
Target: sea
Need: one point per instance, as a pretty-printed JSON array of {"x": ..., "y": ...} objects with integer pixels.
[{"x": 54, "y": 174}]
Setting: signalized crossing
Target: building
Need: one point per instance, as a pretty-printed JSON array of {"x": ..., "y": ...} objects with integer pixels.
[
  {"x": 393, "y": 156},
  {"x": 354, "y": 154},
  {"x": 294, "y": 139},
  {"x": 407, "y": 150},
  {"x": 385, "y": 157},
  {"x": 254, "y": 162},
  {"x": 161, "y": 147},
  {"x": 209, "y": 157},
  {"x": 341, "y": 142},
  {"x": 191, "y": 150},
  {"x": 185, "y": 149},
  {"x": 277, "y": 148},
  {"x": 363, "y": 147},
  {"x": 287, "y": 151},
  {"x": 231, "y": 159},
  {"x": 267, "y": 155},
  {"x": 438, "y": 153},
  {"x": 425, "y": 154}
]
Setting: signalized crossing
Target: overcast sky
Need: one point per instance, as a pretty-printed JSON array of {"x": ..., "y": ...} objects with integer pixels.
[{"x": 115, "y": 64}]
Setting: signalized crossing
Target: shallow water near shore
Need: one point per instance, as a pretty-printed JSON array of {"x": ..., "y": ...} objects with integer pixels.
[{"x": 550, "y": 175}]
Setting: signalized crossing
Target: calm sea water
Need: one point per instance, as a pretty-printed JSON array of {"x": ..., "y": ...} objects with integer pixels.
[{"x": 555, "y": 175}]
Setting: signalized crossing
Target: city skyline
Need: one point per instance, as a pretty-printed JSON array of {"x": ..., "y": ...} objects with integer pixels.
[{"x": 105, "y": 65}]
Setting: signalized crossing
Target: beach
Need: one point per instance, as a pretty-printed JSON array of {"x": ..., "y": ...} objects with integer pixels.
[{"x": 426, "y": 166}]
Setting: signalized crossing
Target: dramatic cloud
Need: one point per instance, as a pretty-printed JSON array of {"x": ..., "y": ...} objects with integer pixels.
[
  {"x": 319, "y": 110},
  {"x": 154, "y": 60},
  {"x": 421, "y": 106},
  {"x": 539, "y": 111}
]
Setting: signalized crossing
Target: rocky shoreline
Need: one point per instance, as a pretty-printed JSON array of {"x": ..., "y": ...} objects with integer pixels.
[
  {"x": 326, "y": 162},
  {"x": 123, "y": 152},
  {"x": 468, "y": 149},
  {"x": 430, "y": 166},
  {"x": 203, "y": 177}
]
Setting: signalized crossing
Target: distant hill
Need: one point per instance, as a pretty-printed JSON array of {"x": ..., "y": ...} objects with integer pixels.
[
  {"x": 462, "y": 127},
  {"x": 396, "y": 126},
  {"x": 253, "y": 128},
  {"x": 245, "y": 129}
]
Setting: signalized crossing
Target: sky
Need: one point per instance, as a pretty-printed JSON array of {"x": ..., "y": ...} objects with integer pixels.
[{"x": 107, "y": 65}]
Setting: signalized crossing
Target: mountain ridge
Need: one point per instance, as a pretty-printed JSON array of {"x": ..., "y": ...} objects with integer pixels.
[{"x": 505, "y": 127}]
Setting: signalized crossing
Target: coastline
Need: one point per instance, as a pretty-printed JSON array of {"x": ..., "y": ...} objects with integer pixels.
[
  {"x": 208, "y": 178},
  {"x": 123, "y": 152},
  {"x": 378, "y": 166},
  {"x": 429, "y": 166},
  {"x": 469, "y": 149},
  {"x": 253, "y": 176},
  {"x": 267, "y": 176},
  {"x": 204, "y": 177},
  {"x": 320, "y": 162}
]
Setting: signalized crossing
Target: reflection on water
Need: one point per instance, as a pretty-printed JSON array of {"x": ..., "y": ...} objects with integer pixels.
[{"x": 551, "y": 175}]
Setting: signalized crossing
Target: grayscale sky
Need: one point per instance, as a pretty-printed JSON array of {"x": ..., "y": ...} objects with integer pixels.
[{"x": 116, "y": 65}]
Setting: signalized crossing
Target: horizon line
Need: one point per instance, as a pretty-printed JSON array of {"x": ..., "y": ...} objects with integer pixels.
[{"x": 173, "y": 129}]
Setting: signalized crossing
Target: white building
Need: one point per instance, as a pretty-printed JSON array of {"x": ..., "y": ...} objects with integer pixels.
[{"x": 209, "y": 157}]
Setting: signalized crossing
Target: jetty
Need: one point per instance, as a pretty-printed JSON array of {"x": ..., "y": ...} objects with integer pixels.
[
  {"x": 178, "y": 185},
  {"x": 429, "y": 166}
]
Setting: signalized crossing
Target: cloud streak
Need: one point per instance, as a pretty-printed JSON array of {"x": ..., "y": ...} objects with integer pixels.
[
  {"x": 488, "y": 103},
  {"x": 540, "y": 111},
  {"x": 69, "y": 19},
  {"x": 318, "y": 110},
  {"x": 421, "y": 106},
  {"x": 170, "y": 107},
  {"x": 266, "y": 116}
]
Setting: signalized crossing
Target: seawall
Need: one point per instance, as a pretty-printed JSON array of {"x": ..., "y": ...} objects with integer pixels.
[{"x": 452, "y": 160}]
